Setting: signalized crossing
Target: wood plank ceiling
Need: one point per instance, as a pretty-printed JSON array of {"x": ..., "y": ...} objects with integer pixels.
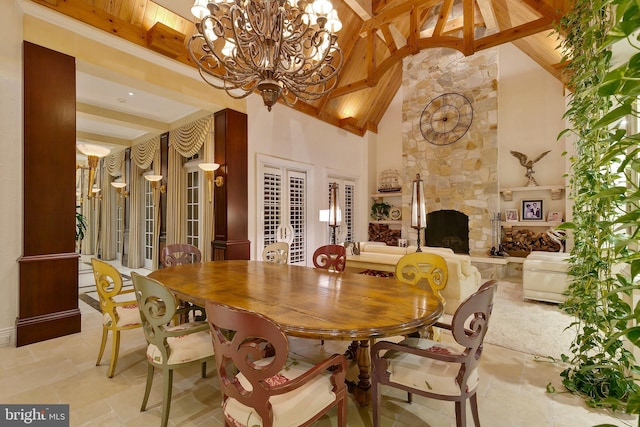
[{"x": 374, "y": 40}]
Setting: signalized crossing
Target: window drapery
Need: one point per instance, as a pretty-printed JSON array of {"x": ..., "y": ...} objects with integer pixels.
[
  {"x": 143, "y": 155},
  {"x": 184, "y": 142}
]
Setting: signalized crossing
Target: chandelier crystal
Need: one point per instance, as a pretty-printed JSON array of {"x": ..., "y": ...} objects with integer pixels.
[{"x": 283, "y": 50}]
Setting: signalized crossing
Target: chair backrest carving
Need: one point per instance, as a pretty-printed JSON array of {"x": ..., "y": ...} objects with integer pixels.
[
  {"x": 250, "y": 345},
  {"x": 284, "y": 233},
  {"x": 277, "y": 252},
  {"x": 330, "y": 257},
  {"x": 426, "y": 267},
  {"x": 157, "y": 306},
  {"x": 179, "y": 254},
  {"x": 470, "y": 323},
  {"x": 108, "y": 284}
]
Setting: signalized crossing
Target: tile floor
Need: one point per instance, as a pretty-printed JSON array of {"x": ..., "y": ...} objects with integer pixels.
[{"x": 62, "y": 370}]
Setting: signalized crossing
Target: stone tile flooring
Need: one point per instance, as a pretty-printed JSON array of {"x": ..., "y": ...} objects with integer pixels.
[{"x": 511, "y": 392}]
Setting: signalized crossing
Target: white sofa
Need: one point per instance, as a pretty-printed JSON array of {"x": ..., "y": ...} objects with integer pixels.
[
  {"x": 464, "y": 278},
  {"x": 544, "y": 276}
]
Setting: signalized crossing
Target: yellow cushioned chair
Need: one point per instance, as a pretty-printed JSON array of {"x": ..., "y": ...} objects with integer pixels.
[
  {"x": 169, "y": 347},
  {"x": 118, "y": 313}
]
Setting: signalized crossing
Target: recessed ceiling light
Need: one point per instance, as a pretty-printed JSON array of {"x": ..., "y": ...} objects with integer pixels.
[
  {"x": 123, "y": 100},
  {"x": 130, "y": 93}
]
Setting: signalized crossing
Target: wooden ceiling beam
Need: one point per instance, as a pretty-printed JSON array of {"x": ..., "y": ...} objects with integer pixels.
[
  {"x": 515, "y": 33},
  {"x": 468, "y": 36},
  {"x": 443, "y": 17},
  {"x": 488, "y": 14},
  {"x": 388, "y": 15}
]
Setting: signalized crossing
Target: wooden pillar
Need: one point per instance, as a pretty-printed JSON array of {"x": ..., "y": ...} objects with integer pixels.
[
  {"x": 231, "y": 200},
  {"x": 48, "y": 294}
]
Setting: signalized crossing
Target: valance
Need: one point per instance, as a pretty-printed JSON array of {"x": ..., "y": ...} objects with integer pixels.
[
  {"x": 188, "y": 139},
  {"x": 113, "y": 162},
  {"x": 142, "y": 154}
]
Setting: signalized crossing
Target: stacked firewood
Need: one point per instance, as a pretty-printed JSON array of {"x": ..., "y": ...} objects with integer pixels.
[
  {"x": 521, "y": 242},
  {"x": 382, "y": 233}
]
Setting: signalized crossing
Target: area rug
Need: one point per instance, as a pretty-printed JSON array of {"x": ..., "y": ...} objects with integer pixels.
[{"x": 532, "y": 327}]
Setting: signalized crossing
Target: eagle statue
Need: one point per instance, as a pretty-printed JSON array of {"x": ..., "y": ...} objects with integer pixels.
[{"x": 525, "y": 162}]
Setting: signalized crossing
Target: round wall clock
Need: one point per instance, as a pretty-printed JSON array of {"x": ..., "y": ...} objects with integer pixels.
[{"x": 446, "y": 119}]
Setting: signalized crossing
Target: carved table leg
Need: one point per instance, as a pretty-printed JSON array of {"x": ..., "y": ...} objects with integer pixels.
[
  {"x": 362, "y": 390},
  {"x": 352, "y": 351}
]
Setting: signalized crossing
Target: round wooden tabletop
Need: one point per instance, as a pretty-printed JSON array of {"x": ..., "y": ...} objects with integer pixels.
[{"x": 307, "y": 302}]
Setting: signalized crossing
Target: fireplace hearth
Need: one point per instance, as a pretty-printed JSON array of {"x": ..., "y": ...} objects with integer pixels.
[{"x": 448, "y": 229}]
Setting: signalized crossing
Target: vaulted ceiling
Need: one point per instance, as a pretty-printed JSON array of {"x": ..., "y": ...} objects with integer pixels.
[{"x": 375, "y": 37}]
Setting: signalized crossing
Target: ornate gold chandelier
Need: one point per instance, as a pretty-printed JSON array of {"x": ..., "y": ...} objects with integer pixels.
[{"x": 283, "y": 50}]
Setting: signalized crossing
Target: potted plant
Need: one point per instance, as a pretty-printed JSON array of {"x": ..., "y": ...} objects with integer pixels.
[
  {"x": 380, "y": 210},
  {"x": 81, "y": 225}
]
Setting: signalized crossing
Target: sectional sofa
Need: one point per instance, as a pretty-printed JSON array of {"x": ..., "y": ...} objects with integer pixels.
[{"x": 464, "y": 278}]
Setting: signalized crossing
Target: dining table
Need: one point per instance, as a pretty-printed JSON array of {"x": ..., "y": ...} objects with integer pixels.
[{"x": 311, "y": 303}]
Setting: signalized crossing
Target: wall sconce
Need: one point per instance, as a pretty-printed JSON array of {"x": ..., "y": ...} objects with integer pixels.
[
  {"x": 122, "y": 193},
  {"x": 418, "y": 208},
  {"x": 209, "y": 169},
  {"x": 93, "y": 153},
  {"x": 155, "y": 182},
  {"x": 95, "y": 194},
  {"x": 119, "y": 186}
]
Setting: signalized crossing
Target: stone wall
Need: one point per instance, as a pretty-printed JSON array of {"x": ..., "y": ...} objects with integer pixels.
[{"x": 463, "y": 175}]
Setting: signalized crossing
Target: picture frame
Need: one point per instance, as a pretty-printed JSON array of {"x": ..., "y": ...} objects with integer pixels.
[
  {"x": 511, "y": 215},
  {"x": 532, "y": 210},
  {"x": 554, "y": 216}
]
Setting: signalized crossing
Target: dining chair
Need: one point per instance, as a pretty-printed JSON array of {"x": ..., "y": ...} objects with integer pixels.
[
  {"x": 261, "y": 384},
  {"x": 424, "y": 267},
  {"x": 333, "y": 258},
  {"x": 169, "y": 347},
  {"x": 438, "y": 370},
  {"x": 119, "y": 310},
  {"x": 277, "y": 252},
  {"x": 179, "y": 253},
  {"x": 330, "y": 257}
]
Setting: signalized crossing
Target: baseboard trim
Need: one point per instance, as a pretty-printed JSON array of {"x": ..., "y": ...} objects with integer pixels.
[{"x": 7, "y": 337}]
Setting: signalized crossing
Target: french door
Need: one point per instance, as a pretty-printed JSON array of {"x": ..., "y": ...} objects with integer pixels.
[{"x": 283, "y": 201}]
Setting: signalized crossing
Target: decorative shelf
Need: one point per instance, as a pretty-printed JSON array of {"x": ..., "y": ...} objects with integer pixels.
[
  {"x": 509, "y": 224},
  {"x": 390, "y": 194},
  {"x": 386, "y": 221},
  {"x": 556, "y": 191}
]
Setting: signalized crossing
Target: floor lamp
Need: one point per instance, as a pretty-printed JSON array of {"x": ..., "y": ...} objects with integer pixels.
[
  {"x": 334, "y": 211},
  {"x": 418, "y": 209}
]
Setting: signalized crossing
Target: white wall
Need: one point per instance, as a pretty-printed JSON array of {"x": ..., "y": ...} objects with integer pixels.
[
  {"x": 10, "y": 165},
  {"x": 531, "y": 103},
  {"x": 389, "y": 141},
  {"x": 290, "y": 135}
]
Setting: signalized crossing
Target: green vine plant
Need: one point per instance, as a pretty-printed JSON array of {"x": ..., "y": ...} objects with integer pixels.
[{"x": 605, "y": 259}]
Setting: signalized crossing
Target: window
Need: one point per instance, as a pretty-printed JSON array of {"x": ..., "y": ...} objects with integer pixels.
[
  {"x": 193, "y": 207},
  {"x": 149, "y": 224},
  {"x": 119, "y": 226},
  {"x": 194, "y": 210},
  {"x": 283, "y": 189}
]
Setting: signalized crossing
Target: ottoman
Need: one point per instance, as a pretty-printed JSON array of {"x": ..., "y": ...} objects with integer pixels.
[{"x": 544, "y": 276}]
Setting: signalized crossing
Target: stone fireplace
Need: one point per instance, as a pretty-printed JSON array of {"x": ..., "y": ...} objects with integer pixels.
[
  {"x": 448, "y": 229},
  {"x": 461, "y": 176}
]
